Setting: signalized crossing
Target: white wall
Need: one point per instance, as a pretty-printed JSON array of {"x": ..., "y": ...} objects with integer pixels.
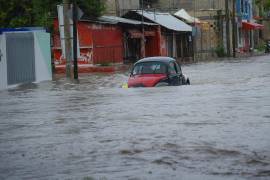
[
  {"x": 3, "y": 63},
  {"x": 42, "y": 56}
]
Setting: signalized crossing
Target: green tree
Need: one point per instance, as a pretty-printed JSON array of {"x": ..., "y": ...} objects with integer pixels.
[
  {"x": 92, "y": 8},
  {"x": 14, "y": 13},
  {"x": 43, "y": 12},
  {"x": 264, "y": 3},
  {"x": 19, "y": 13}
]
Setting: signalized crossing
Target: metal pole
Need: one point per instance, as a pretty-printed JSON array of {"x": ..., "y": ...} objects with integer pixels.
[
  {"x": 228, "y": 28},
  {"x": 234, "y": 29},
  {"x": 143, "y": 38},
  {"x": 195, "y": 32},
  {"x": 75, "y": 14},
  {"x": 117, "y": 7}
]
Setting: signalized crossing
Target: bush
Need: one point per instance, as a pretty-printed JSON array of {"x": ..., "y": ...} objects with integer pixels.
[
  {"x": 220, "y": 51},
  {"x": 260, "y": 47}
]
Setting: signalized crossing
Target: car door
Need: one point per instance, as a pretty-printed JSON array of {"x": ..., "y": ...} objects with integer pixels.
[
  {"x": 174, "y": 76},
  {"x": 180, "y": 74}
]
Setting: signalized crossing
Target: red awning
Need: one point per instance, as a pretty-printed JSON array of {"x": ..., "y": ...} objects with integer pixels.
[{"x": 251, "y": 26}]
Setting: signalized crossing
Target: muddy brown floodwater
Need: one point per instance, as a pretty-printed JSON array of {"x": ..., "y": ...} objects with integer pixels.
[{"x": 216, "y": 129}]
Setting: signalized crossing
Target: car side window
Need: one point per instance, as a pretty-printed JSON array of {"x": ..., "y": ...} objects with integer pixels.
[
  {"x": 137, "y": 70},
  {"x": 172, "y": 69},
  {"x": 178, "y": 68}
]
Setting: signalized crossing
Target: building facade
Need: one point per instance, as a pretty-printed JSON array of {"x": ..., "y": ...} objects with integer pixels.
[
  {"x": 220, "y": 27},
  {"x": 244, "y": 34}
]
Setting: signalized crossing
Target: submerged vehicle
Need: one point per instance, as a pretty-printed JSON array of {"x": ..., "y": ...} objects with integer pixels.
[{"x": 157, "y": 71}]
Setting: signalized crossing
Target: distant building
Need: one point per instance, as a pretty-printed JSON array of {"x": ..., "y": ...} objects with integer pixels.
[
  {"x": 246, "y": 26},
  {"x": 120, "y": 7},
  {"x": 176, "y": 36},
  {"x": 212, "y": 33}
]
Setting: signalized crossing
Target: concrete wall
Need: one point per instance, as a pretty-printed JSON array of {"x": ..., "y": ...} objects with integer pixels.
[
  {"x": 3, "y": 63},
  {"x": 110, "y": 7},
  {"x": 120, "y": 7},
  {"x": 266, "y": 30}
]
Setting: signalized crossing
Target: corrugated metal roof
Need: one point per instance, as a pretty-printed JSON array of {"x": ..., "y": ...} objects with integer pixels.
[
  {"x": 184, "y": 15},
  {"x": 166, "y": 20},
  {"x": 115, "y": 19}
]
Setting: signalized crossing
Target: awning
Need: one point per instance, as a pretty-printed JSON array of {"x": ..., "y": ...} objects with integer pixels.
[
  {"x": 184, "y": 15},
  {"x": 166, "y": 20},
  {"x": 251, "y": 25}
]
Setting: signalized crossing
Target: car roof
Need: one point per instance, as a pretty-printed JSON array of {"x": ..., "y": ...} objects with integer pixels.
[{"x": 156, "y": 59}]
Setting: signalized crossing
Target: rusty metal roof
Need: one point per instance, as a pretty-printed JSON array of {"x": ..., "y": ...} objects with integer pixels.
[{"x": 115, "y": 20}]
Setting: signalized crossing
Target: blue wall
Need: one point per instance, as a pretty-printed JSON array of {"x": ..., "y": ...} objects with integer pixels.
[{"x": 244, "y": 9}]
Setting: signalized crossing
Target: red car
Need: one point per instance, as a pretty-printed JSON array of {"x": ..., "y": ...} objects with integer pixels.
[{"x": 157, "y": 71}]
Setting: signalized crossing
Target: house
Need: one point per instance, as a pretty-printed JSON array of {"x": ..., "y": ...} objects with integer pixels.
[
  {"x": 246, "y": 25},
  {"x": 109, "y": 40},
  {"x": 175, "y": 39},
  {"x": 140, "y": 39},
  {"x": 99, "y": 43},
  {"x": 207, "y": 35}
]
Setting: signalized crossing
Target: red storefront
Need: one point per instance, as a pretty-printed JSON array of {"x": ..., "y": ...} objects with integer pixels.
[
  {"x": 248, "y": 29},
  {"x": 140, "y": 39},
  {"x": 98, "y": 44},
  {"x": 108, "y": 41}
]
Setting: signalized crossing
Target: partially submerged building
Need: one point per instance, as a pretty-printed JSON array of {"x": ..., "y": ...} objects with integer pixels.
[
  {"x": 109, "y": 40},
  {"x": 176, "y": 36},
  {"x": 140, "y": 39}
]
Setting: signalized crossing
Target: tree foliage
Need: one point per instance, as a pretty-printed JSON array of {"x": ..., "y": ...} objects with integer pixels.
[
  {"x": 264, "y": 3},
  {"x": 92, "y": 8},
  {"x": 21, "y": 13}
]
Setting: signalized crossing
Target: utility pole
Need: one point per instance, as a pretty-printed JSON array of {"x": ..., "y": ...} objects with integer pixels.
[
  {"x": 195, "y": 31},
  {"x": 228, "y": 28},
  {"x": 117, "y": 8},
  {"x": 67, "y": 38},
  {"x": 75, "y": 18},
  {"x": 234, "y": 37},
  {"x": 143, "y": 38}
]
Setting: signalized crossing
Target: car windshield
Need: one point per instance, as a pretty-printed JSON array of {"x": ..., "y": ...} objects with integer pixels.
[{"x": 149, "y": 68}]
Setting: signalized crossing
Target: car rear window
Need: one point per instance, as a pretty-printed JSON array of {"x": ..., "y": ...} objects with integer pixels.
[{"x": 149, "y": 68}]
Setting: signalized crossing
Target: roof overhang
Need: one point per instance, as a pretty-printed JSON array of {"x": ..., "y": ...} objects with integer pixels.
[
  {"x": 165, "y": 20},
  {"x": 184, "y": 15},
  {"x": 252, "y": 26},
  {"x": 116, "y": 20}
]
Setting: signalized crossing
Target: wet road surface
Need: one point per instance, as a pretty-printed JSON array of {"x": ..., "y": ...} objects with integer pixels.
[{"x": 217, "y": 128}]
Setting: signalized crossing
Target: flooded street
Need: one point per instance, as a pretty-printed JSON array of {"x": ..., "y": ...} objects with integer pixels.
[{"x": 216, "y": 129}]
